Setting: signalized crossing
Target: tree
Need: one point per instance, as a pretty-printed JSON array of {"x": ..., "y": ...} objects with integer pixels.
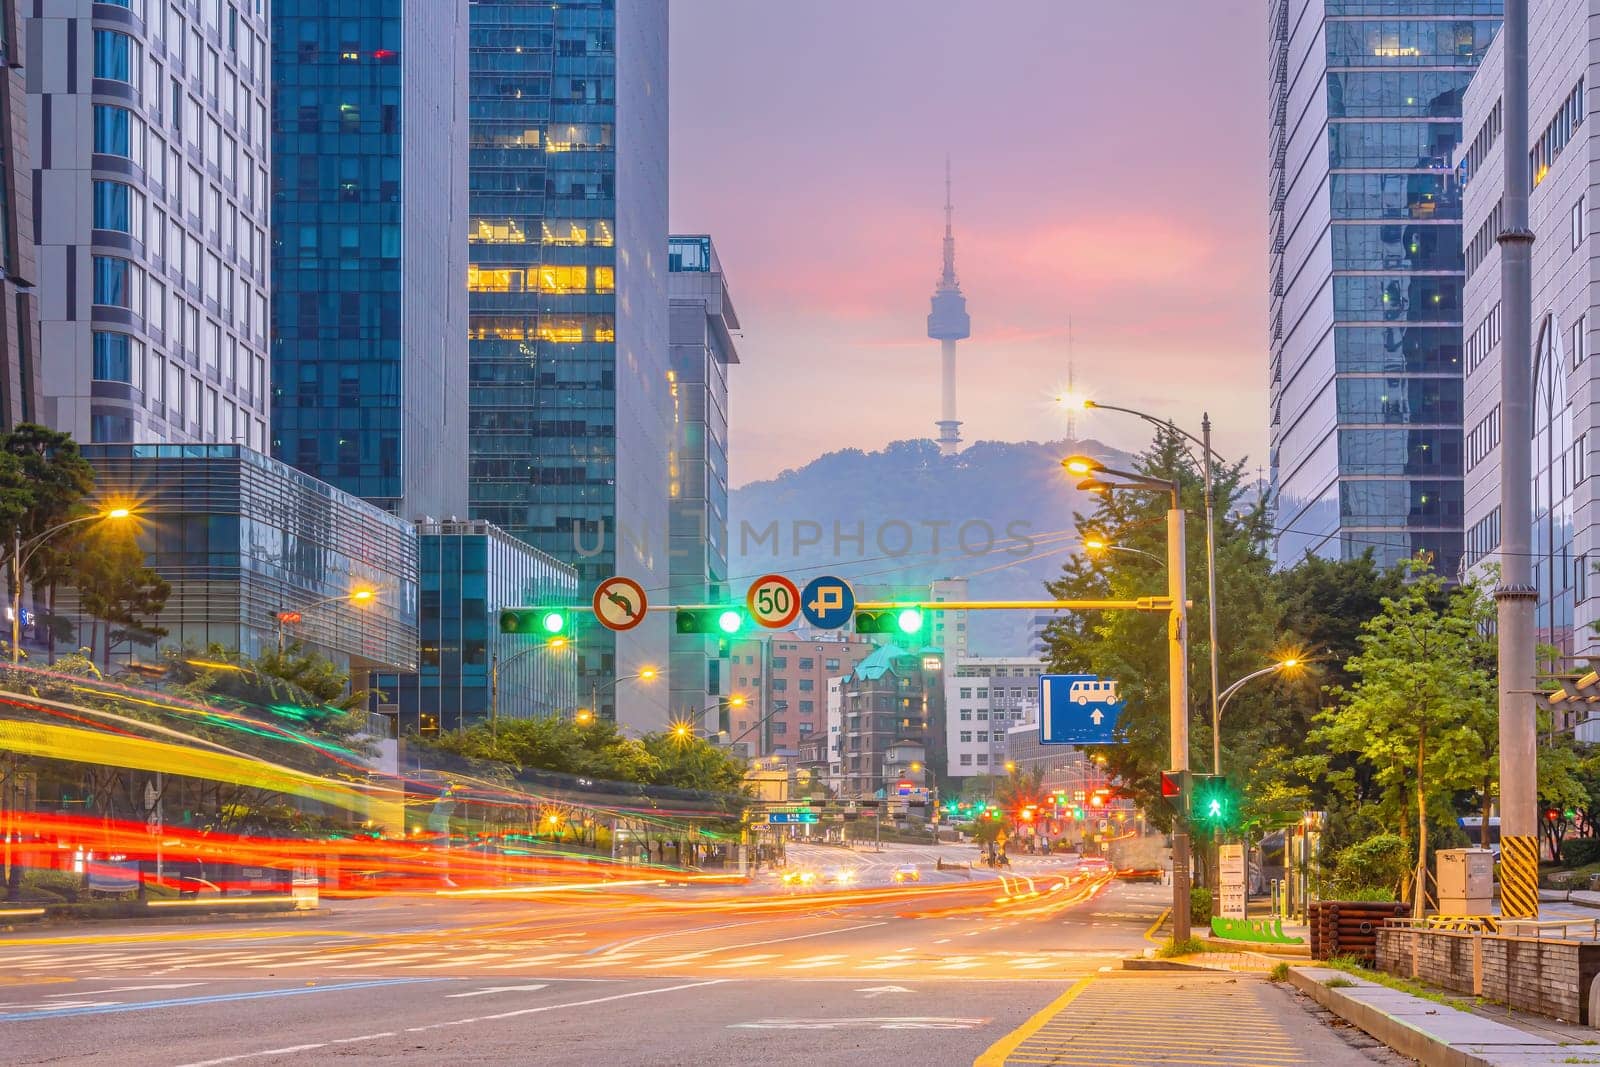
[
  {"x": 1131, "y": 647},
  {"x": 44, "y": 481},
  {"x": 1418, "y": 707},
  {"x": 1562, "y": 792},
  {"x": 118, "y": 590},
  {"x": 694, "y": 763}
]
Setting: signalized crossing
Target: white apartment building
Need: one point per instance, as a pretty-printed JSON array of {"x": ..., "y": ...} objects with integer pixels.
[
  {"x": 984, "y": 696},
  {"x": 1563, "y": 154}
]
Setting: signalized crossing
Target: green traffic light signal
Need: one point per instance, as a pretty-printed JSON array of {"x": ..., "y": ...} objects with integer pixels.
[
  {"x": 724, "y": 621},
  {"x": 554, "y": 622},
  {"x": 1215, "y": 803},
  {"x": 551, "y": 622},
  {"x": 904, "y": 621}
]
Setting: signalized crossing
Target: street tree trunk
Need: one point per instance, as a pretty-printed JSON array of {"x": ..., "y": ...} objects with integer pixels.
[{"x": 1422, "y": 830}]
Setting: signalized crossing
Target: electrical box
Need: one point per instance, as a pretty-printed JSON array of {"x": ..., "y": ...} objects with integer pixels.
[{"x": 1465, "y": 881}]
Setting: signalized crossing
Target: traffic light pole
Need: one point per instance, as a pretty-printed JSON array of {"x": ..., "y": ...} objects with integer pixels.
[{"x": 1178, "y": 691}]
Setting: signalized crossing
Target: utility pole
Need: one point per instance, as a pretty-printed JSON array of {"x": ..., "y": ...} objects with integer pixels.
[
  {"x": 1178, "y": 687},
  {"x": 1516, "y": 597}
]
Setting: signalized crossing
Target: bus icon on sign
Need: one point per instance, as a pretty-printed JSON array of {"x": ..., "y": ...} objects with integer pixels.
[{"x": 1093, "y": 692}]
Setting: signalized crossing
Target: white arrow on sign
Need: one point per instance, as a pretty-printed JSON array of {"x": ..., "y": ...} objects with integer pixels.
[
  {"x": 1096, "y": 716},
  {"x": 497, "y": 989},
  {"x": 880, "y": 990}
]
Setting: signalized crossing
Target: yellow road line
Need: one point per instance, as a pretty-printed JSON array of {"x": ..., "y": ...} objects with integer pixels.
[
  {"x": 996, "y": 1054},
  {"x": 1149, "y": 935},
  {"x": 122, "y": 939}
]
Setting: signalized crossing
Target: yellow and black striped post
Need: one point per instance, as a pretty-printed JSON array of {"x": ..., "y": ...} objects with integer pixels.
[{"x": 1519, "y": 877}]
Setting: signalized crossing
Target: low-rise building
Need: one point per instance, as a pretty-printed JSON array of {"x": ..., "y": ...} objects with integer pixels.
[
  {"x": 984, "y": 697},
  {"x": 783, "y": 677},
  {"x": 893, "y": 696}
]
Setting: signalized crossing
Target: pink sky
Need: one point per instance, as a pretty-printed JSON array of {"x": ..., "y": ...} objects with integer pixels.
[{"x": 1110, "y": 168}]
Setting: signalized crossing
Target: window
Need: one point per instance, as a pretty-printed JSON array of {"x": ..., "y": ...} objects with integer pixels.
[
  {"x": 113, "y": 281},
  {"x": 966, "y": 714},
  {"x": 112, "y": 130},
  {"x": 807, "y": 685},
  {"x": 1580, "y": 224},
  {"x": 966, "y": 694},
  {"x": 983, "y": 759},
  {"x": 966, "y": 759},
  {"x": 983, "y": 716},
  {"x": 111, "y": 357},
  {"x": 1484, "y": 438},
  {"x": 983, "y": 694},
  {"x": 966, "y": 735},
  {"x": 111, "y": 206},
  {"x": 1580, "y": 339},
  {"x": 112, "y": 52},
  {"x": 808, "y": 664},
  {"x": 780, "y": 662},
  {"x": 830, "y": 664}
]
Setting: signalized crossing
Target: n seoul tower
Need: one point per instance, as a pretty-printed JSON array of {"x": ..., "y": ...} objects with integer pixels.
[{"x": 947, "y": 324}]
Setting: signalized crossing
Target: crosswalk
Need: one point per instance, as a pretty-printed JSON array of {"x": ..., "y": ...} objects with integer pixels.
[{"x": 487, "y": 959}]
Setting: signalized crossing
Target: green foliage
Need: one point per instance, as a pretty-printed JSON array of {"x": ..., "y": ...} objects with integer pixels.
[
  {"x": 1374, "y": 869},
  {"x": 1189, "y": 946},
  {"x": 692, "y": 763},
  {"x": 317, "y": 675},
  {"x": 1417, "y": 724},
  {"x": 116, "y": 588},
  {"x": 1580, "y": 851},
  {"x": 50, "y": 885},
  {"x": 1279, "y": 973},
  {"x": 1200, "y": 906}
]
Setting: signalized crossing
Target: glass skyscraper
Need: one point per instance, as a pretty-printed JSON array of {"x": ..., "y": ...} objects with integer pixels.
[
  {"x": 1366, "y": 273},
  {"x": 369, "y": 360},
  {"x": 19, "y": 309},
  {"x": 152, "y": 208},
  {"x": 570, "y": 413}
]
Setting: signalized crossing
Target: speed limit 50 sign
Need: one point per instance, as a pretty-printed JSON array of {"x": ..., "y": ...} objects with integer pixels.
[{"x": 773, "y": 600}]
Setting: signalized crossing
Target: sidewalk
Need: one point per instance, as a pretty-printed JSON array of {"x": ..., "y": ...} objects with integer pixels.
[{"x": 1438, "y": 1032}]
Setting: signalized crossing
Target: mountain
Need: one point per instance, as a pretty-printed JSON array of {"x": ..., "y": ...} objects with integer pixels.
[{"x": 998, "y": 513}]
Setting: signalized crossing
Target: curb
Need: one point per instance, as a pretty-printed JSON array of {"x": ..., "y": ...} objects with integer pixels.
[
  {"x": 1404, "y": 1038},
  {"x": 1258, "y": 948}
]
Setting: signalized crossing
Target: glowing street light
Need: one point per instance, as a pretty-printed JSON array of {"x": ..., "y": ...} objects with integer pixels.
[{"x": 22, "y": 551}]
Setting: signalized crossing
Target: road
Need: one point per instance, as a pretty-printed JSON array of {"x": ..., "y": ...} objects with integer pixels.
[{"x": 933, "y": 972}]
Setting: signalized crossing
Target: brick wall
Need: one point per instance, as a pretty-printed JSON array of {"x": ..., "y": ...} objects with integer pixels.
[
  {"x": 1442, "y": 958},
  {"x": 1548, "y": 977}
]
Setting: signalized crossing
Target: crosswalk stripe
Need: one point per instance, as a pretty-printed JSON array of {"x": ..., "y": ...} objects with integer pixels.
[
  {"x": 389, "y": 959},
  {"x": 464, "y": 959},
  {"x": 528, "y": 960},
  {"x": 745, "y": 961}
]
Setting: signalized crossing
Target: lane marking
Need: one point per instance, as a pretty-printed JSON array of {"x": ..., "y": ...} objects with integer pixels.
[
  {"x": 496, "y": 989},
  {"x": 997, "y": 1053},
  {"x": 1150, "y": 934},
  {"x": 462, "y": 1022},
  {"x": 532, "y": 959},
  {"x": 218, "y": 998}
]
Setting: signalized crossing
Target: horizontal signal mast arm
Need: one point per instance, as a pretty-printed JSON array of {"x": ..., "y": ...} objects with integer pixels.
[{"x": 1144, "y": 603}]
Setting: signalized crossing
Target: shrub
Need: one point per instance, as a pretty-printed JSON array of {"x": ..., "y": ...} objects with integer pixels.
[
  {"x": 1279, "y": 973},
  {"x": 1380, "y": 863},
  {"x": 1580, "y": 851},
  {"x": 1200, "y": 907},
  {"x": 58, "y": 885}
]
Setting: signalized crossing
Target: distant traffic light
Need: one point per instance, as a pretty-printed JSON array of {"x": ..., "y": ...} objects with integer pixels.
[
  {"x": 550, "y": 622},
  {"x": 904, "y": 621},
  {"x": 727, "y": 621}
]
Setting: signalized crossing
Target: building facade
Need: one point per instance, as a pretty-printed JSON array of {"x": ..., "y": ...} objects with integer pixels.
[
  {"x": 949, "y": 627},
  {"x": 1566, "y": 382},
  {"x": 150, "y": 123},
  {"x": 244, "y": 540},
  {"x": 19, "y": 306},
  {"x": 894, "y": 695},
  {"x": 369, "y": 185},
  {"x": 702, "y": 324},
  {"x": 783, "y": 677},
  {"x": 570, "y": 418},
  {"x": 1366, "y": 273},
  {"x": 469, "y": 671},
  {"x": 984, "y": 697}
]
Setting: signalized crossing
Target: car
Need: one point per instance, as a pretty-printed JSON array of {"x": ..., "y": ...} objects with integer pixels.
[
  {"x": 839, "y": 876},
  {"x": 1094, "y": 864},
  {"x": 1142, "y": 874},
  {"x": 908, "y": 873},
  {"x": 799, "y": 877}
]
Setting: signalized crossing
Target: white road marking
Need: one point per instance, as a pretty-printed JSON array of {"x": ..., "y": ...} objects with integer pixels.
[
  {"x": 814, "y": 961},
  {"x": 745, "y": 961},
  {"x": 461, "y": 1022},
  {"x": 389, "y": 959},
  {"x": 684, "y": 957},
  {"x": 496, "y": 989},
  {"x": 546, "y": 958},
  {"x": 465, "y": 959}
]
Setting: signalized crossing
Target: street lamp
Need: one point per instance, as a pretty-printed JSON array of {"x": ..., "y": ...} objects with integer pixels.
[
  {"x": 1096, "y": 544},
  {"x": 1106, "y": 479},
  {"x": 1289, "y": 664},
  {"x": 22, "y": 551},
  {"x": 360, "y": 597},
  {"x": 646, "y": 674}
]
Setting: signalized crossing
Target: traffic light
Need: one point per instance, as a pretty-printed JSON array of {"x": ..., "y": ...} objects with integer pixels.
[
  {"x": 906, "y": 622},
  {"x": 727, "y": 621},
  {"x": 1215, "y": 803},
  {"x": 547, "y": 622},
  {"x": 1175, "y": 788}
]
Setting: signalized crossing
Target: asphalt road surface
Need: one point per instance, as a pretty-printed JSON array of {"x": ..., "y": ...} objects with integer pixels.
[{"x": 868, "y": 970}]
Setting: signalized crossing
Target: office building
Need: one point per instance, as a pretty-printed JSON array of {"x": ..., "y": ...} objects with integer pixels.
[
  {"x": 702, "y": 322},
  {"x": 468, "y": 670},
  {"x": 1366, "y": 274},
  {"x": 259, "y": 553},
  {"x": 369, "y": 223},
  {"x": 1563, "y": 152},
  {"x": 19, "y": 308},
  {"x": 985, "y": 696},
  {"x": 949, "y": 631},
  {"x": 783, "y": 676},
  {"x": 150, "y": 170},
  {"x": 570, "y": 417}
]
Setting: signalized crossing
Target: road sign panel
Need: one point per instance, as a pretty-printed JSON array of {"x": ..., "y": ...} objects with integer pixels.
[
  {"x": 1078, "y": 709},
  {"x": 828, "y": 602},
  {"x": 773, "y": 600},
  {"x": 619, "y": 603},
  {"x": 791, "y": 816}
]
